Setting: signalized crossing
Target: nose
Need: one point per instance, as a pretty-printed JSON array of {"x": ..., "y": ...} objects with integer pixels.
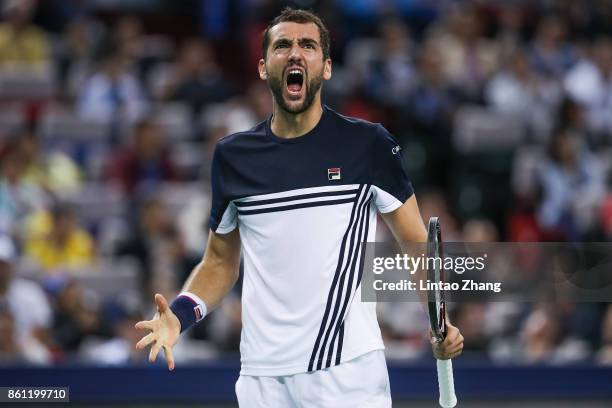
[{"x": 295, "y": 53}]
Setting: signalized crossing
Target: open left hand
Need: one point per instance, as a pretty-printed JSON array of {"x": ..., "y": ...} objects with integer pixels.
[
  {"x": 164, "y": 330},
  {"x": 451, "y": 347}
]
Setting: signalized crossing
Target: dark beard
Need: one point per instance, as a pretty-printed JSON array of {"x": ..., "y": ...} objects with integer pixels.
[{"x": 276, "y": 86}]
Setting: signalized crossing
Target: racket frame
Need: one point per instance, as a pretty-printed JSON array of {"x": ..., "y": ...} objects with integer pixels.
[{"x": 436, "y": 301}]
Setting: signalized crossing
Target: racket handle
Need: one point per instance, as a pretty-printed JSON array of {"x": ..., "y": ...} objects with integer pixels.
[{"x": 446, "y": 383}]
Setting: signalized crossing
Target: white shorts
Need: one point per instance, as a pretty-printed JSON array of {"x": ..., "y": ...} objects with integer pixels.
[{"x": 359, "y": 383}]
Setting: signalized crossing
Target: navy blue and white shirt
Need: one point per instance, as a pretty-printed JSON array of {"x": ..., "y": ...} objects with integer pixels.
[{"x": 303, "y": 206}]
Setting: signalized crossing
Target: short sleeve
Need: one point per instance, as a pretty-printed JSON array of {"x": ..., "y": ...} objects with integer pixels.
[
  {"x": 39, "y": 308},
  {"x": 223, "y": 214},
  {"x": 390, "y": 181}
]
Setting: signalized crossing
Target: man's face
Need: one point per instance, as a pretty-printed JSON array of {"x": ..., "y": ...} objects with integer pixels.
[{"x": 294, "y": 67}]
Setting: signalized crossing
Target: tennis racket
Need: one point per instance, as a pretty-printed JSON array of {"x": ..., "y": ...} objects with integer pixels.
[{"x": 437, "y": 311}]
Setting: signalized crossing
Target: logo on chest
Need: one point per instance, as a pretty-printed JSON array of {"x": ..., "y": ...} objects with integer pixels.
[{"x": 333, "y": 173}]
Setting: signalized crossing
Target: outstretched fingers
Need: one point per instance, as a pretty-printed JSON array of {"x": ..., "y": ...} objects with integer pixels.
[
  {"x": 155, "y": 349},
  {"x": 158, "y": 336},
  {"x": 154, "y": 352},
  {"x": 169, "y": 357},
  {"x": 144, "y": 325},
  {"x": 161, "y": 303},
  {"x": 145, "y": 341}
]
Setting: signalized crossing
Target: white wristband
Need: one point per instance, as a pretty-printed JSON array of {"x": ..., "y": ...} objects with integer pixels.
[{"x": 201, "y": 309}]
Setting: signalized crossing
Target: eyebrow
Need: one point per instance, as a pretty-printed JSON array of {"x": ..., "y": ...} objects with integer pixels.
[
  {"x": 301, "y": 41},
  {"x": 304, "y": 41}
]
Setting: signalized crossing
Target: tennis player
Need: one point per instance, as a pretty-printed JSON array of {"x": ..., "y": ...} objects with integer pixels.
[{"x": 298, "y": 194}]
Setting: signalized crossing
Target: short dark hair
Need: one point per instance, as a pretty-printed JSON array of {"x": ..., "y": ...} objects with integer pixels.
[{"x": 301, "y": 17}]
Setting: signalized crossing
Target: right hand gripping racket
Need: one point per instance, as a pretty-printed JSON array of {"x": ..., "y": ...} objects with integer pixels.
[{"x": 437, "y": 310}]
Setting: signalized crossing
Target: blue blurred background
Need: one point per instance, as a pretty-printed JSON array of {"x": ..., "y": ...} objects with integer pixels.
[{"x": 109, "y": 111}]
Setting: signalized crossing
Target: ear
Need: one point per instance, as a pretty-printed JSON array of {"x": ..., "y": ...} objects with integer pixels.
[
  {"x": 263, "y": 74},
  {"x": 327, "y": 69}
]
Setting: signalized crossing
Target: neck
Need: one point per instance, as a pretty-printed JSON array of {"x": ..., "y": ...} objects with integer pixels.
[{"x": 288, "y": 125}]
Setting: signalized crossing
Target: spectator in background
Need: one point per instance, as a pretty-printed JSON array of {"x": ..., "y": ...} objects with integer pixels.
[
  {"x": 543, "y": 338},
  {"x": 74, "y": 55},
  {"x": 144, "y": 163},
  {"x": 480, "y": 230},
  {"x": 509, "y": 36},
  {"x": 10, "y": 351},
  {"x": 128, "y": 35},
  {"x": 221, "y": 119},
  {"x": 471, "y": 316},
  {"x": 572, "y": 187},
  {"x": 56, "y": 241},
  {"x": 390, "y": 75},
  {"x": 74, "y": 318},
  {"x": 112, "y": 94},
  {"x": 141, "y": 52},
  {"x": 158, "y": 247},
  {"x": 225, "y": 326},
  {"x": 119, "y": 350},
  {"x": 195, "y": 77},
  {"x": 540, "y": 336},
  {"x": 22, "y": 45},
  {"x": 572, "y": 116},
  {"x": 589, "y": 83},
  {"x": 585, "y": 18},
  {"x": 258, "y": 98},
  {"x": 604, "y": 355},
  {"x": 55, "y": 172},
  {"x": 431, "y": 103},
  {"x": 520, "y": 92},
  {"x": 27, "y": 307},
  {"x": 433, "y": 203},
  {"x": 19, "y": 197},
  {"x": 605, "y": 216},
  {"x": 428, "y": 112},
  {"x": 468, "y": 58},
  {"x": 550, "y": 54},
  {"x": 359, "y": 17}
]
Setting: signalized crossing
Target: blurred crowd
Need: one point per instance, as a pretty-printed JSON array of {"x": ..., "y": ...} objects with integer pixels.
[{"x": 108, "y": 121}]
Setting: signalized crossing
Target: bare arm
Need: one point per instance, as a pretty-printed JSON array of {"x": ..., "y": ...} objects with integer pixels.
[
  {"x": 210, "y": 280},
  {"x": 218, "y": 271},
  {"x": 407, "y": 225}
]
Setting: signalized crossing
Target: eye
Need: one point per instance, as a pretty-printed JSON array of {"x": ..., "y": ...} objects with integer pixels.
[{"x": 309, "y": 46}]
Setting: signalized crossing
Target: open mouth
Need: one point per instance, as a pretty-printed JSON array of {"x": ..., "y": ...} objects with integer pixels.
[{"x": 295, "y": 80}]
